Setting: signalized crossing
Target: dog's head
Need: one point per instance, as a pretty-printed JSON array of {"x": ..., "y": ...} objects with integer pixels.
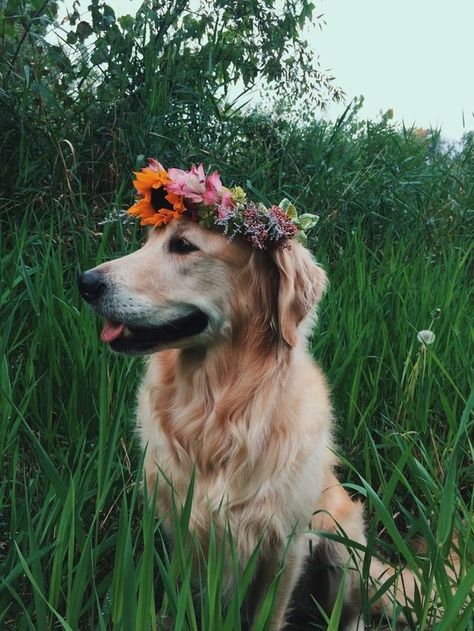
[{"x": 191, "y": 287}]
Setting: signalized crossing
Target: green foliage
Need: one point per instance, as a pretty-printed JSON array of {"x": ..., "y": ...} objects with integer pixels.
[
  {"x": 90, "y": 93},
  {"x": 85, "y": 550},
  {"x": 79, "y": 548}
]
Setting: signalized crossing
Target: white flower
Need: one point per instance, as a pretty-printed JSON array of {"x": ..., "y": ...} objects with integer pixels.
[{"x": 426, "y": 337}]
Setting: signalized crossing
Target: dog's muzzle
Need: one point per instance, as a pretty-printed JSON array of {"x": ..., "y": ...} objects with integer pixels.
[{"x": 125, "y": 333}]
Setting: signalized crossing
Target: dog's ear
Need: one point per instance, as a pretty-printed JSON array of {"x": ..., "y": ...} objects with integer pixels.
[{"x": 301, "y": 286}]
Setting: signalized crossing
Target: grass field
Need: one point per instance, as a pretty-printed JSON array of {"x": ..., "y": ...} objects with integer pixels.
[{"x": 80, "y": 549}]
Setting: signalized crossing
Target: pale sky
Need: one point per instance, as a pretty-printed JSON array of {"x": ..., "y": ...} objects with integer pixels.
[{"x": 415, "y": 56}]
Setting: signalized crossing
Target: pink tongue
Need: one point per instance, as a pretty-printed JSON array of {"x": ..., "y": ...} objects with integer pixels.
[{"x": 111, "y": 331}]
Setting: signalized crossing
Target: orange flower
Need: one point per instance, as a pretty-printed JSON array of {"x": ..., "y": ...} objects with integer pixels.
[
  {"x": 149, "y": 207},
  {"x": 148, "y": 178}
]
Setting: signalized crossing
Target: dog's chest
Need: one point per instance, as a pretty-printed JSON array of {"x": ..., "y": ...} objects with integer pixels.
[
  {"x": 248, "y": 475},
  {"x": 259, "y": 516},
  {"x": 257, "y": 508}
]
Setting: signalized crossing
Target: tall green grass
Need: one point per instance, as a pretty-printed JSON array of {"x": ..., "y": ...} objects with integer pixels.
[{"x": 81, "y": 549}]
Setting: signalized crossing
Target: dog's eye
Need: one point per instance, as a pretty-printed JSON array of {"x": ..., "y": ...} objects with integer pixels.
[{"x": 181, "y": 246}]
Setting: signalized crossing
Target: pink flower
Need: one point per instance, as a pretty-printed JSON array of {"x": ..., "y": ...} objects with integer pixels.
[
  {"x": 213, "y": 190},
  {"x": 154, "y": 165},
  {"x": 226, "y": 205},
  {"x": 216, "y": 194},
  {"x": 195, "y": 186},
  {"x": 226, "y": 199},
  {"x": 191, "y": 184},
  {"x": 198, "y": 172}
]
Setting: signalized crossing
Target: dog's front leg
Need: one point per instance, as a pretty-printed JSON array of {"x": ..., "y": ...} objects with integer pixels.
[
  {"x": 291, "y": 573},
  {"x": 268, "y": 569}
]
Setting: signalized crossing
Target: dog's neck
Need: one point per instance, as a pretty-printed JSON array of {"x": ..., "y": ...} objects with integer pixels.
[{"x": 212, "y": 403}]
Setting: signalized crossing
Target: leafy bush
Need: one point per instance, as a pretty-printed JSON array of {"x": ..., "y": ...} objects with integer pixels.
[{"x": 77, "y": 113}]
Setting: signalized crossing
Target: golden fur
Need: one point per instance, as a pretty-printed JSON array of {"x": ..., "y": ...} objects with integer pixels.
[{"x": 243, "y": 403}]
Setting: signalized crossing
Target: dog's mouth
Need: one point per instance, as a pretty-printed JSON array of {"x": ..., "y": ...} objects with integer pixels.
[{"x": 134, "y": 340}]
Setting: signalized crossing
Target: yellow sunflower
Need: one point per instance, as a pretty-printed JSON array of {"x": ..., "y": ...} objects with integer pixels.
[{"x": 155, "y": 206}]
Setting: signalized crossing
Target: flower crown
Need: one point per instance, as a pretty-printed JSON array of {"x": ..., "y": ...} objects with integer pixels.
[{"x": 167, "y": 195}]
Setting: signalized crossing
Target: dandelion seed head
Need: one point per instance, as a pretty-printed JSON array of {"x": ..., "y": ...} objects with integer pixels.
[{"x": 426, "y": 337}]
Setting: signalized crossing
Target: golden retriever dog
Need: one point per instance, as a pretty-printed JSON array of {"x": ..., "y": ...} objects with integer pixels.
[{"x": 232, "y": 394}]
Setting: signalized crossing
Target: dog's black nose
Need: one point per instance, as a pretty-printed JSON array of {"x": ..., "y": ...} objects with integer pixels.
[{"x": 91, "y": 285}]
